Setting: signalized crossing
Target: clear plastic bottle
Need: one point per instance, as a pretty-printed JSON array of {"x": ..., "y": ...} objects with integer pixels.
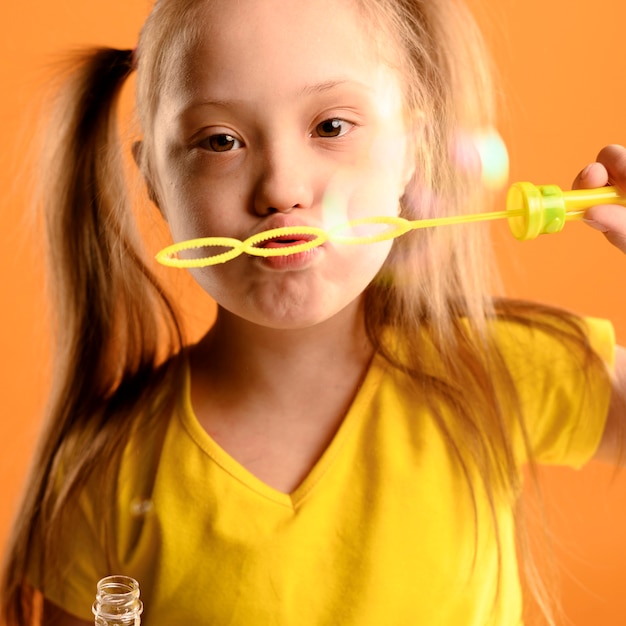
[{"x": 117, "y": 602}]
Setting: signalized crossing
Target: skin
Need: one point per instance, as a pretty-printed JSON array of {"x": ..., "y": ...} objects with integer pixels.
[
  {"x": 610, "y": 168},
  {"x": 302, "y": 73},
  {"x": 300, "y": 70},
  {"x": 316, "y": 137}
]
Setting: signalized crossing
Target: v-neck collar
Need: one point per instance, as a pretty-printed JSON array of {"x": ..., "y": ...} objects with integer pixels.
[{"x": 239, "y": 473}]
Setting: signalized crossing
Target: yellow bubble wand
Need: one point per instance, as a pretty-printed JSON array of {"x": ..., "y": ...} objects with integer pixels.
[{"x": 531, "y": 211}]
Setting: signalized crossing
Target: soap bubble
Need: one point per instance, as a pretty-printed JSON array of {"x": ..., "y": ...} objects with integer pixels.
[{"x": 483, "y": 154}]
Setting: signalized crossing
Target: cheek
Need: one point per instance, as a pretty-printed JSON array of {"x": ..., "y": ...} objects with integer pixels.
[
  {"x": 366, "y": 260},
  {"x": 389, "y": 155},
  {"x": 194, "y": 210},
  {"x": 191, "y": 206},
  {"x": 376, "y": 191},
  {"x": 380, "y": 195}
]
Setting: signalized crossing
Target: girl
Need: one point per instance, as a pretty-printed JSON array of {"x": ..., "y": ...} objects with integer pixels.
[{"x": 344, "y": 445}]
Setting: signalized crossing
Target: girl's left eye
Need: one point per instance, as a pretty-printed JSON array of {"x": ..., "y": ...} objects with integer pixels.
[
  {"x": 221, "y": 143},
  {"x": 333, "y": 128}
]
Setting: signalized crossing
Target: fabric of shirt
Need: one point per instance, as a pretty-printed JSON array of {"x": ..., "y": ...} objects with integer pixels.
[{"x": 381, "y": 531}]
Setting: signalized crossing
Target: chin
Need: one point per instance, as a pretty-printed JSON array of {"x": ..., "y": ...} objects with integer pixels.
[
  {"x": 292, "y": 320},
  {"x": 291, "y": 301},
  {"x": 283, "y": 315}
]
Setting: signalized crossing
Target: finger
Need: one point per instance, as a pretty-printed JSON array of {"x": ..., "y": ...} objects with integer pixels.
[
  {"x": 613, "y": 158},
  {"x": 617, "y": 239},
  {"x": 593, "y": 176},
  {"x": 610, "y": 219}
]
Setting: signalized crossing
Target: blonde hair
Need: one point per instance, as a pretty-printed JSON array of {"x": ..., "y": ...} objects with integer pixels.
[{"x": 118, "y": 334}]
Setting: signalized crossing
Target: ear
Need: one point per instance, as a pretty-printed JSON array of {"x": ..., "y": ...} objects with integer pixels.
[{"x": 138, "y": 156}]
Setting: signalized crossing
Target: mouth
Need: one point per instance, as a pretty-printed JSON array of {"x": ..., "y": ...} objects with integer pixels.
[{"x": 285, "y": 241}]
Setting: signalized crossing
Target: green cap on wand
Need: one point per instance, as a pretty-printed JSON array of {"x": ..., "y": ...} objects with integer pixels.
[{"x": 534, "y": 210}]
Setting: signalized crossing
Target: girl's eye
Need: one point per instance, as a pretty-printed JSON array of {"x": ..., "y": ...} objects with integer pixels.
[
  {"x": 220, "y": 143},
  {"x": 333, "y": 128}
]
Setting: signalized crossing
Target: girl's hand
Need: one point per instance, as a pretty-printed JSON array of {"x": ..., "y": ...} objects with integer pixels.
[{"x": 609, "y": 169}]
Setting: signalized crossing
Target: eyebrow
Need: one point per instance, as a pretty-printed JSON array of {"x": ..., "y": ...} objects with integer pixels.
[
  {"x": 307, "y": 90},
  {"x": 325, "y": 86}
]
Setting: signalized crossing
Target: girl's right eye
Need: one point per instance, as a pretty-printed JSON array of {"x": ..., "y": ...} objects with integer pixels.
[{"x": 222, "y": 142}]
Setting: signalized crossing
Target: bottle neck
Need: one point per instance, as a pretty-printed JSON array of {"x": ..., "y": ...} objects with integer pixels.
[{"x": 117, "y": 602}]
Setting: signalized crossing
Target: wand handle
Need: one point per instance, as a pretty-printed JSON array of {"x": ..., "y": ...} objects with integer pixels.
[{"x": 538, "y": 209}]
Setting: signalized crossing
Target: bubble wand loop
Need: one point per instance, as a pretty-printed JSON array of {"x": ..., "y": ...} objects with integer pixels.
[{"x": 530, "y": 210}]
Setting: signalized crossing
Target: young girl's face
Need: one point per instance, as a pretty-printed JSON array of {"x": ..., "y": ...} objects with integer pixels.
[{"x": 282, "y": 115}]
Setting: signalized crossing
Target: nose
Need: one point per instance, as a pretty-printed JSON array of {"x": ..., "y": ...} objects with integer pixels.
[{"x": 284, "y": 182}]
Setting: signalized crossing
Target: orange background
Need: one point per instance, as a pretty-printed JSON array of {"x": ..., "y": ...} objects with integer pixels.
[{"x": 562, "y": 71}]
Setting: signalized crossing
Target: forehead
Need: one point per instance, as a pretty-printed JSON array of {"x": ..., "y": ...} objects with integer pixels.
[{"x": 250, "y": 45}]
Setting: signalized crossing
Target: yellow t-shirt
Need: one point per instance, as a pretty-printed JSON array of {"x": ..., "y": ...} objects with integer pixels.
[{"x": 379, "y": 533}]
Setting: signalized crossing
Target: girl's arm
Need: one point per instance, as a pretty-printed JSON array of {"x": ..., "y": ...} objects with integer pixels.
[
  {"x": 610, "y": 168},
  {"x": 54, "y": 616}
]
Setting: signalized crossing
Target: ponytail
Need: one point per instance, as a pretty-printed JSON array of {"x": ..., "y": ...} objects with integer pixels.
[{"x": 114, "y": 325}]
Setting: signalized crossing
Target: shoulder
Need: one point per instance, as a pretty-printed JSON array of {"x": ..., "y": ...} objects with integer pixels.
[
  {"x": 558, "y": 366},
  {"x": 551, "y": 336},
  {"x": 102, "y": 489}
]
